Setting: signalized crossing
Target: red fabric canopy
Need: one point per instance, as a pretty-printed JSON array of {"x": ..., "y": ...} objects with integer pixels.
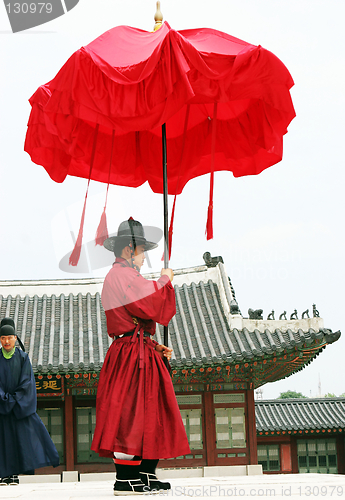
[{"x": 132, "y": 81}]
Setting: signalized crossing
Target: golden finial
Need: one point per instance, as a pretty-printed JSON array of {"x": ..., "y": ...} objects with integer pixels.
[{"x": 158, "y": 17}]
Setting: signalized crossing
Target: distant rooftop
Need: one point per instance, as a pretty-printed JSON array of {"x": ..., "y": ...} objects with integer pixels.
[{"x": 304, "y": 414}]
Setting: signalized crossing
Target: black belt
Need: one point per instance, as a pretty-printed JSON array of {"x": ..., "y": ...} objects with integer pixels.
[{"x": 130, "y": 334}]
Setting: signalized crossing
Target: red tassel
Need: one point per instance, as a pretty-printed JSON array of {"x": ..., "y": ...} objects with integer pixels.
[
  {"x": 171, "y": 229},
  {"x": 209, "y": 223},
  {"x": 75, "y": 255},
  {"x": 102, "y": 230}
]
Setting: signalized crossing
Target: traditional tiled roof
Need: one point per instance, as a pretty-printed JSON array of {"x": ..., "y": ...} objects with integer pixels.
[
  {"x": 62, "y": 325},
  {"x": 300, "y": 415},
  {"x": 223, "y": 345}
]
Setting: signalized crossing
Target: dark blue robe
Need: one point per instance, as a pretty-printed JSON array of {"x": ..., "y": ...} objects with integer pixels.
[{"x": 24, "y": 441}]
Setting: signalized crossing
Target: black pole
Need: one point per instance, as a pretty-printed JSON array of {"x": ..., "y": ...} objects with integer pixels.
[{"x": 165, "y": 201}]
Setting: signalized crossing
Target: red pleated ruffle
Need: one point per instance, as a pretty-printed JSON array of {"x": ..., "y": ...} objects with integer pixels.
[{"x": 133, "y": 81}]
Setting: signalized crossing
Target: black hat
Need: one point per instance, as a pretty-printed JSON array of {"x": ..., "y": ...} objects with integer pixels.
[
  {"x": 7, "y": 328},
  {"x": 131, "y": 230},
  {"x": 7, "y": 321}
]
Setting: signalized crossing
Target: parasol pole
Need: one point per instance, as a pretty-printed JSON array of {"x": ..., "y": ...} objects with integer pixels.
[
  {"x": 165, "y": 210},
  {"x": 165, "y": 197},
  {"x": 158, "y": 23}
]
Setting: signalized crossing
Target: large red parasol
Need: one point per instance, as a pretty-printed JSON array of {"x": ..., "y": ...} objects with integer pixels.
[{"x": 225, "y": 104}]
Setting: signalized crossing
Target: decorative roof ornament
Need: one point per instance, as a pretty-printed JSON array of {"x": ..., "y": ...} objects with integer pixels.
[
  {"x": 257, "y": 314},
  {"x": 316, "y": 313},
  {"x": 283, "y": 315},
  {"x": 234, "y": 308},
  {"x": 294, "y": 315},
  {"x": 271, "y": 315},
  {"x": 332, "y": 336},
  {"x": 212, "y": 261},
  {"x": 158, "y": 17}
]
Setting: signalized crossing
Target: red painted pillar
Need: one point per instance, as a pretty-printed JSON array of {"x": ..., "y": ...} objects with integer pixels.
[
  {"x": 69, "y": 432},
  {"x": 252, "y": 439},
  {"x": 285, "y": 457},
  {"x": 209, "y": 428}
]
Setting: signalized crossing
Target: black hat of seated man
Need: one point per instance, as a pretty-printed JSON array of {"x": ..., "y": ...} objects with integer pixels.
[
  {"x": 7, "y": 331},
  {"x": 7, "y": 328},
  {"x": 7, "y": 321},
  {"x": 130, "y": 230}
]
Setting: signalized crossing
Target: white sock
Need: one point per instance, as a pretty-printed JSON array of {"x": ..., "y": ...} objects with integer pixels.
[{"x": 123, "y": 456}]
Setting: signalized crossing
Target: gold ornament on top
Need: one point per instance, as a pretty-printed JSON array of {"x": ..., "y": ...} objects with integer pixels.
[{"x": 158, "y": 17}]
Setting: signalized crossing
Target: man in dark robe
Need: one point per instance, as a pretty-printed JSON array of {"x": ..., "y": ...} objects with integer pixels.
[
  {"x": 25, "y": 444},
  {"x": 137, "y": 416}
]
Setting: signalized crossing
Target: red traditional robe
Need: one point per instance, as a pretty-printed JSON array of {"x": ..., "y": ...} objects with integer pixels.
[{"x": 137, "y": 412}]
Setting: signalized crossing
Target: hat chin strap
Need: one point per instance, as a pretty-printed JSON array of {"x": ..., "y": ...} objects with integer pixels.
[
  {"x": 131, "y": 243},
  {"x": 132, "y": 258}
]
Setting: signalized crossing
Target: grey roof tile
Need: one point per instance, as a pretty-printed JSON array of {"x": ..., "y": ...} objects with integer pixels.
[
  {"x": 300, "y": 414},
  {"x": 67, "y": 331}
]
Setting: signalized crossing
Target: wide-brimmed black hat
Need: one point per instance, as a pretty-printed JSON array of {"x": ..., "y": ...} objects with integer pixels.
[{"x": 130, "y": 230}]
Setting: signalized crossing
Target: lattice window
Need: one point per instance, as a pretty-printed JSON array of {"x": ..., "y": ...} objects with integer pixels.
[
  {"x": 228, "y": 398},
  {"x": 317, "y": 456},
  {"x": 53, "y": 421},
  {"x": 268, "y": 457},
  {"x": 230, "y": 428},
  {"x": 302, "y": 448},
  {"x": 331, "y": 446},
  {"x": 86, "y": 421},
  {"x": 190, "y": 399},
  {"x": 192, "y": 420}
]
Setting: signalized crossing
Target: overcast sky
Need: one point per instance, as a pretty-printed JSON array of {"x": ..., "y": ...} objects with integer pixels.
[{"x": 281, "y": 234}]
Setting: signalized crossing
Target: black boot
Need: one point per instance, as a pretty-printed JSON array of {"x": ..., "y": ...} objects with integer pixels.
[
  {"x": 128, "y": 481},
  {"x": 148, "y": 476},
  {"x": 12, "y": 480}
]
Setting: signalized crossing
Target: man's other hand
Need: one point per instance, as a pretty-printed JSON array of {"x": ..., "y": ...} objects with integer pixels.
[
  {"x": 168, "y": 272},
  {"x": 164, "y": 351}
]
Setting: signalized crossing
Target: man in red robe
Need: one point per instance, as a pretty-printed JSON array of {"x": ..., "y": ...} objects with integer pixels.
[{"x": 137, "y": 416}]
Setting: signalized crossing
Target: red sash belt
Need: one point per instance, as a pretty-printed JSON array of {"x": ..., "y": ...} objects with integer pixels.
[
  {"x": 133, "y": 337},
  {"x": 139, "y": 328},
  {"x": 139, "y": 334}
]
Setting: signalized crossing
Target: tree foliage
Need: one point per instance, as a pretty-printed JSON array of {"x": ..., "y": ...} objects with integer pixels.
[{"x": 290, "y": 395}]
